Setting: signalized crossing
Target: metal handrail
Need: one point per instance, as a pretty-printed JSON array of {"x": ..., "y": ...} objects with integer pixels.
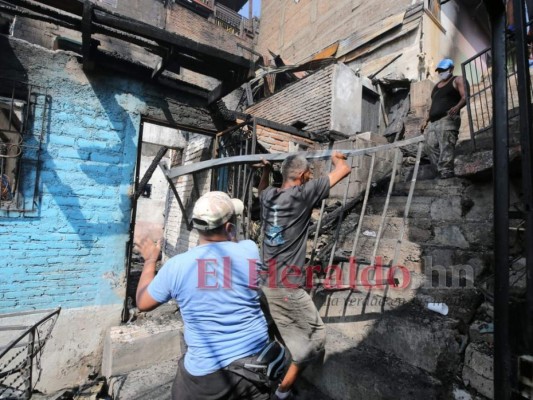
[{"x": 18, "y": 367}]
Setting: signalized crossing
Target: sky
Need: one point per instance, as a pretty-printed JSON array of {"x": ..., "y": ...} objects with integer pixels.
[{"x": 257, "y": 9}]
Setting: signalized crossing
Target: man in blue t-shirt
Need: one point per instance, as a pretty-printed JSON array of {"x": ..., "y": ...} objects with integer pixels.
[
  {"x": 213, "y": 284},
  {"x": 286, "y": 214}
]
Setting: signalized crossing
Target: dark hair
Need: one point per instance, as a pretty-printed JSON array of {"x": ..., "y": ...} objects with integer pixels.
[{"x": 219, "y": 230}]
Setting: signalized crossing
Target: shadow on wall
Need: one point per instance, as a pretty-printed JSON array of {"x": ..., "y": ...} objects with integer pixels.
[{"x": 104, "y": 151}]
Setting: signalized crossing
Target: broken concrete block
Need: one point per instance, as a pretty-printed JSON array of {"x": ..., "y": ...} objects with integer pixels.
[
  {"x": 153, "y": 382},
  {"x": 479, "y": 163},
  {"x": 478, "y": 369},
  {"x": 422, "y": 338},
  {"x": 352, "y": 371},
  {"x": 132, "y": 347}
]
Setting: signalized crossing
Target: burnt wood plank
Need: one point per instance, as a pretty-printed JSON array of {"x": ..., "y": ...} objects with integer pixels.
[{"x": 165, "y": 37}]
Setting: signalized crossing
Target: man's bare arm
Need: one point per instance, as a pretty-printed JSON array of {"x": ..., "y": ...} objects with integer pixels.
[
  {"x": 150, "y": 252},
  {"x": 459, "y": 84},
  {"x": 341, "y": 168},
  {"x": 263, "y": 183}
]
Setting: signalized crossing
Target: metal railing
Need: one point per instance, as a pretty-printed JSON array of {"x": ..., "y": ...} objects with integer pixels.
[
  {"x": 477, "y": 70},
  {"x": 19, "y": 358},
  {"x": 228, "y": 16}
]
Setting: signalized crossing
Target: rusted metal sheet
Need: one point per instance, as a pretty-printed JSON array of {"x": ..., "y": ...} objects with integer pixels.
[{"x": 329, "y": 51}]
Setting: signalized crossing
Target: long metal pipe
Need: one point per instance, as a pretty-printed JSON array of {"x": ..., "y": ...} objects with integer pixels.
[
  {"x": 502, "y": 356},
  {"x": 526, "y": 140}
]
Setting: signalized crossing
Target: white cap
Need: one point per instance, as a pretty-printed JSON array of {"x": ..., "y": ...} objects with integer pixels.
[{"x": 214, "y": 209}]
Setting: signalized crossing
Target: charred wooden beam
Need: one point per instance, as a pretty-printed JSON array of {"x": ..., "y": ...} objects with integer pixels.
[
  {"x": 159, "y": 68},
  {"x": 283, "y": 128},
  {"x": 86, "y": 31},
  {"x": 39, "y": 17},
  {"x": 162, "y": 36},
  {"x": 225, "y": 88},
  {"x": 137, "y": 70},
  {"x": 199, "y": 57},
  {"x": 38, "y": 8}
]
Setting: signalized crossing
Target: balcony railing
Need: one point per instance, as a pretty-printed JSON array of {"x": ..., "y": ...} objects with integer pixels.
[
  {"x": 478, "y": 72},
  {"x": 224, "y": 17}
]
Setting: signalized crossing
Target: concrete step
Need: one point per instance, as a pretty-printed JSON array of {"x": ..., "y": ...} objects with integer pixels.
[
  {"x": 473, "y": 203},
  {"x": 431, "y": 207},
  {"x": 353, "y": 371},
  {"x": 426, "y": 231},
  {"x": 410, "y": 255},
  {"x": 420, "y": 337},
  {"x": 144, "y": 343},
  {"x": 401, "y": 323},
  {"x": 435, "y": 187},
  {"x": 153, "y": 382}
]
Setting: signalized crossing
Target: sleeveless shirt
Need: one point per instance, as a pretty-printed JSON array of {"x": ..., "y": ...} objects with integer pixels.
[{"x": 442, "y": 99}]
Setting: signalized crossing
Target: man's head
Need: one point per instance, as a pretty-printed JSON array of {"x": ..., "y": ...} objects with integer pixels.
[
  {"x": 445, "y": 68},
  {"x": 295, "y": 168},
  {"x": 215, "y": 213}
]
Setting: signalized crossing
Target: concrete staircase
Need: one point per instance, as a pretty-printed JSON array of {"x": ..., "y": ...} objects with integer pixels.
[{"x": 383, "y": 342}]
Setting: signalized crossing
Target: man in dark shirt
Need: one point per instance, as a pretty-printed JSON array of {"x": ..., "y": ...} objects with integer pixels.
[
  {"x": 285, "y": 214},
  {"x": 447, "y": 99}
]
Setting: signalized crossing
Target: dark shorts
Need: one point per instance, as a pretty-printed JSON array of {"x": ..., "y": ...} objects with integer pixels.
[
  {"x": 220, "y": 385},
  {"x": 298, "y": 323}
]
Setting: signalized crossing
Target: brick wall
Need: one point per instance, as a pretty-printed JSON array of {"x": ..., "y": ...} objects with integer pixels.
[
  {"x": 178, "y": 238},
  {"x": 175, "y": 18},
  {"x": 72, "y": 252},
  {"x": 280, "y": 142},
  {"x": 297, "y": 30},
  {"x": 195, "y": 27},
  {"x": 308, "y": 100}
]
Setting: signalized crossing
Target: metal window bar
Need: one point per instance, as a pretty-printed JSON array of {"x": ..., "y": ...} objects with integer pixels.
[
  {"x": 17, "y": 358},
  {"x": 21, "y": 137}
]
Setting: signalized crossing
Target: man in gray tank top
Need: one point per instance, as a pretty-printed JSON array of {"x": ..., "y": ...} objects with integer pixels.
[
  {"x": 447, "y": 99},
  {"x": 286, "y": 214}
]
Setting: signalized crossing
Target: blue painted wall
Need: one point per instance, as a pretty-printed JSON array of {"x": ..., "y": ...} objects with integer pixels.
[{"x": 71, "y": 252}]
